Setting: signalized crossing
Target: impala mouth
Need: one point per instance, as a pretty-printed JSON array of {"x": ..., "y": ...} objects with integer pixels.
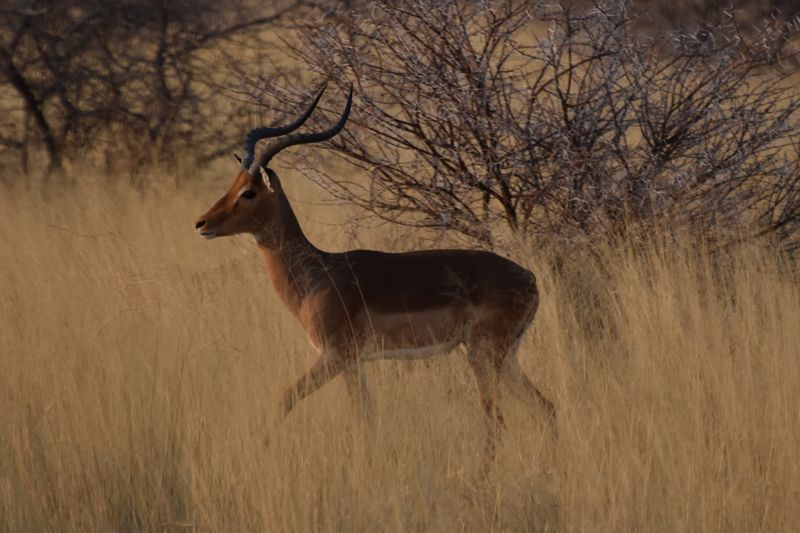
[{"x": 208, "y": 234}]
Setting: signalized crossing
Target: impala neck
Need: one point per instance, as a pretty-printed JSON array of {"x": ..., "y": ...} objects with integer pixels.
[{"x": 289, "y": 256}]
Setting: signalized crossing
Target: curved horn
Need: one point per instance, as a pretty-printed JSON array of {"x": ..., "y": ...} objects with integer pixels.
[
  {"x": 301, "y": 138},
  {"x": 256, "y": 134}
]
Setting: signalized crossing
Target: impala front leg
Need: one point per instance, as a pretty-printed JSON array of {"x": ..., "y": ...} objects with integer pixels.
[
  {"x": 355, "y": 379},
  {"x": 322, "y": 371}
]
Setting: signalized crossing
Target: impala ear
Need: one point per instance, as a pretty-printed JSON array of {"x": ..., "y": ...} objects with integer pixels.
[{"x": 266, "y": 179}]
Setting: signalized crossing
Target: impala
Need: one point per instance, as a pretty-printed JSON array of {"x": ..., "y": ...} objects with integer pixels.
[{"x": 364, "y": 305}]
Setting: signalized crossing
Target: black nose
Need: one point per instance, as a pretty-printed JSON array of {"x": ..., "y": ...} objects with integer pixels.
[{"x": 199, "y": 224}]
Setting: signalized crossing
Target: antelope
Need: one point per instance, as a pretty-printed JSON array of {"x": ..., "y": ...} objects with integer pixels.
[{"x": 364, "y": 305}]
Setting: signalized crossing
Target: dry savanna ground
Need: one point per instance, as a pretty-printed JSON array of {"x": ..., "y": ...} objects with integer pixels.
[{"x": 141, "y": 367}]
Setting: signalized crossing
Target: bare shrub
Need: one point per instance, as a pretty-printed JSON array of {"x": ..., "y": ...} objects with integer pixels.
[
  {"x": 559, "y": 122},
  {"x": 134, "y": 75}
]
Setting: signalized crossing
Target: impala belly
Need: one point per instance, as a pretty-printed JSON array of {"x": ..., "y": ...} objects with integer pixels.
[{"x": 411, "y": 335}]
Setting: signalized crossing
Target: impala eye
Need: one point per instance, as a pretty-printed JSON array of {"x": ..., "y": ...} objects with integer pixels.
[{"x": 248, "y": 195}]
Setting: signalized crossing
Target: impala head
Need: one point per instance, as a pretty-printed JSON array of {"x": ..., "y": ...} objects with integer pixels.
[{"x": 252, "y": 204}]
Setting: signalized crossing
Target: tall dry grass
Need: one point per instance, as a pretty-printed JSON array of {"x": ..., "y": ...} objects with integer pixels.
[{"x": 140, "y": 369}]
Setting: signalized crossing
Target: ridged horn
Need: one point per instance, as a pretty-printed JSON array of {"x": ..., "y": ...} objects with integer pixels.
[
  {"x": 301, "y": 138},
  {"x": 264, "y": 132}
]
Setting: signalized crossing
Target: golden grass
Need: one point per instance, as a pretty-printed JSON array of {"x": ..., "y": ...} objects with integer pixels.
[{"x": 141, "y": 367}]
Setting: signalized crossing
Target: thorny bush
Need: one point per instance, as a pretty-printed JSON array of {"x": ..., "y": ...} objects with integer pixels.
[{"x": 560, "y": 122}]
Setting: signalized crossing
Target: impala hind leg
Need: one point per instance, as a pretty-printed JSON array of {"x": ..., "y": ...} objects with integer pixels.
[
  {"x": 524, "y": 389},
  {"x": 321, "y": 372},
  {"x": 487, "y": 379}
]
